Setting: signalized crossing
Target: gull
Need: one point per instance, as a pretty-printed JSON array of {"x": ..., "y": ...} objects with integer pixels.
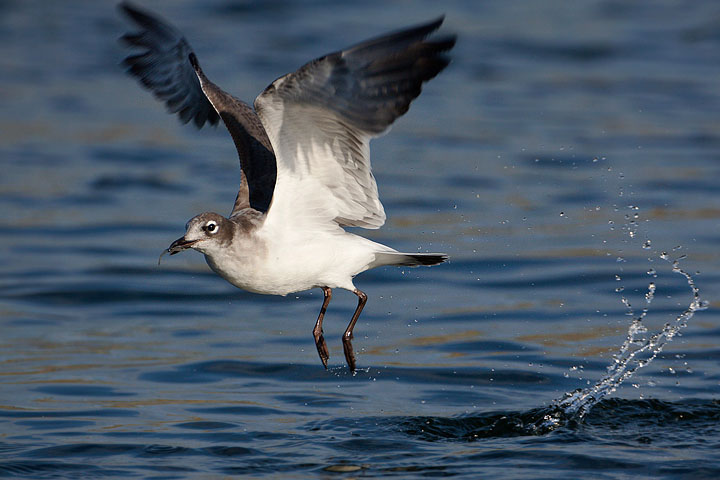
[{"x": 304, "y": 149}]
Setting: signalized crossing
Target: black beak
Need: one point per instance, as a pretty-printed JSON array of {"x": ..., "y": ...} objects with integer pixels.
[{"x": 177, "y": 246}]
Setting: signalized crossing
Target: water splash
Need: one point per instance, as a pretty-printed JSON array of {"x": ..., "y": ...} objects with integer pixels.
[{"x": 637, "y": 351}]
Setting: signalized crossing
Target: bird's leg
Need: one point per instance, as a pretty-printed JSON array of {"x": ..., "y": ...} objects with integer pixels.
[
  {"x": 348, "y": 335},
  {"x": 318, "y": 331}
]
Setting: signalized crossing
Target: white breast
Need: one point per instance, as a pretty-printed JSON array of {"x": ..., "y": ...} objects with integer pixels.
[{"x": 281, "y": 262}]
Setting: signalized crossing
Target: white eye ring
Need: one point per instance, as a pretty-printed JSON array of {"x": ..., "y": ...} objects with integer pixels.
[{"x": 211, "y": 227}]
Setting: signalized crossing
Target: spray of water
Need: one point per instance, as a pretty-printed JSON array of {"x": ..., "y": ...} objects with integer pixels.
[{"x": 637, "y": 351}]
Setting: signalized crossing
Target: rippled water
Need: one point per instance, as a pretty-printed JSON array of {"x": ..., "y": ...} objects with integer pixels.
[{"x": 527, "y": 161}]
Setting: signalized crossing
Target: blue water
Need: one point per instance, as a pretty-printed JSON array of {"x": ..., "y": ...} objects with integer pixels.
[{"x": 527, "y": 161}]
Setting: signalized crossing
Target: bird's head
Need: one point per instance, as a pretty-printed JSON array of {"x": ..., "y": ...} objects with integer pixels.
[{"x": 204, "y": 233}]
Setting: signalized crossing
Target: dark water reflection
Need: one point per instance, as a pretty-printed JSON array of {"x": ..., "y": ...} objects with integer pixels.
[{"x": 524, "y": 161}]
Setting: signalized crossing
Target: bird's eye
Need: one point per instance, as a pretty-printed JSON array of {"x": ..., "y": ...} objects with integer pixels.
[{"x": 211, "y": 227}]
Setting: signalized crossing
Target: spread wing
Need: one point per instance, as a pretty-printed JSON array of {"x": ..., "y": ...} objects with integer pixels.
[
  {"x": 320, "y": 120},
  {"x": 168, "y": 67}
]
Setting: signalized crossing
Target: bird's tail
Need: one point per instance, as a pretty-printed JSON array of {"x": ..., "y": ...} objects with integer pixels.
[{"x": 408, "y": 259}]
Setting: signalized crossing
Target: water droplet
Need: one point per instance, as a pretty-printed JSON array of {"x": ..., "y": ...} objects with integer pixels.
[
  {"x": 647, "y": 244},
  {"x": 651, "y": 292}
]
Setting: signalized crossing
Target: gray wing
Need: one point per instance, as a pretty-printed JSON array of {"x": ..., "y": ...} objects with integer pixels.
[
  {"x": 170, "y": 70},
  {"x": 320, "y": 120}
]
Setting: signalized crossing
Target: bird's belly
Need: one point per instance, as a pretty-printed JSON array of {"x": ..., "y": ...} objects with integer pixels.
[
  {"x": 287, "y": 270},
  {"x": 249, "y": 277}
]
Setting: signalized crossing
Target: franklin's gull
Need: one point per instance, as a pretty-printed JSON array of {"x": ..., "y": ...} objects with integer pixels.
[{"x": 305, "y": 158}]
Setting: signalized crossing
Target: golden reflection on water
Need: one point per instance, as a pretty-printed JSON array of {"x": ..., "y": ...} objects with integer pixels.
[
  {"x": 577, "y": 339},
  {"x": 560, "y": 339},
  {"x": 676, "y": 213},
  {"x": 445, "y": 338}
]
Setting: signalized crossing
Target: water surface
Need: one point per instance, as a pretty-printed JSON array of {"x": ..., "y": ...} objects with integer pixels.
[{"x": 527, "y": 161}]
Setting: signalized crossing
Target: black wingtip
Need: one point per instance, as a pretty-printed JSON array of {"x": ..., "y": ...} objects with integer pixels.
[
  {"x": 426, "y": 29},
  {"x": 129, "y": 9},
  {"x": 196, "y": 66},
  {"x": 435, "y": 24},
  {"x": 446, "y": 41},
  {"x": 399, "y": 39},
  {"x": 194, "y": 62},
  {"x": 141, "y": 17}
]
